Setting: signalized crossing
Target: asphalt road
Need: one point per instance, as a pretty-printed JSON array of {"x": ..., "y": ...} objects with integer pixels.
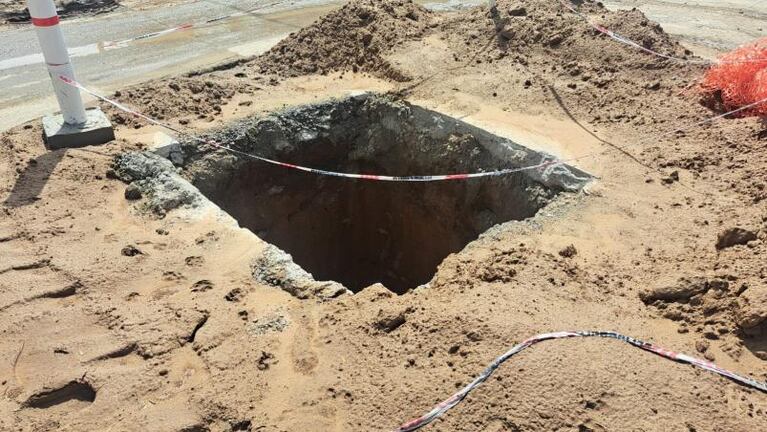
[
  {"x": 25, "y": 89},
  {"x": 707, "y": 26}
]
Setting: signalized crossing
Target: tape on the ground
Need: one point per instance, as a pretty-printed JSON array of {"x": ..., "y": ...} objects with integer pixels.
[{"x": 456, "y": 398}]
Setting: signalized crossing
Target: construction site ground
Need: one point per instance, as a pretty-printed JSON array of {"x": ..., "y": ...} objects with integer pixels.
[{"x": 117, "y": 318}]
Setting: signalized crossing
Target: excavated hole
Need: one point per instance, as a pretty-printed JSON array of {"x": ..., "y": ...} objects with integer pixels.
[{"x": 360, "y": 232}]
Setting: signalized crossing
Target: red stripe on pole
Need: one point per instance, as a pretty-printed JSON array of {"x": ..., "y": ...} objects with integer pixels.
[{"x": 45, "y": 22}]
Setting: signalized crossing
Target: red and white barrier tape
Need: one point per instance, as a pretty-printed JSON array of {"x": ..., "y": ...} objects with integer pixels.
[
  {"x": 109, "y": 45},
  {"x": 415, "y": 178},
  {"x": 627, "y": 41},
  {"x": 456, "y": 398},
  {"x": 544, "y": 164}
]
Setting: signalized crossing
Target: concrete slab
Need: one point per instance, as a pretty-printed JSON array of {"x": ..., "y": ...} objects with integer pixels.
[{"x": 96, "y": 130}]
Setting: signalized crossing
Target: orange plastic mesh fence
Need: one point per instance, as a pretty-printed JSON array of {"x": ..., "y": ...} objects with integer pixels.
[{"x": 741, "y": 77}]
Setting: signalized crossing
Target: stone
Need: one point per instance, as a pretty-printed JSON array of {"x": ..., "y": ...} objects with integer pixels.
[
  {"x": 132, "y": 192},
  {"x": 684, "y": 289},
  {"x": 130, "y": 251},
  {"x": 568, "y": 252}
]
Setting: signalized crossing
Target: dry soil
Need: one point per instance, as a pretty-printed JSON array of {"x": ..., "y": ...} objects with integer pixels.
[{"x": 113, "y": 318}]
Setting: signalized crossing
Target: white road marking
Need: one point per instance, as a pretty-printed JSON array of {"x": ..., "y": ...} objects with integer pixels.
[{"x": 31, "y": 59}]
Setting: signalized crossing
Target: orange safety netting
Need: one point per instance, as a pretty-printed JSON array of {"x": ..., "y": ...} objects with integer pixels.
[{"x": 740, "y": 77}]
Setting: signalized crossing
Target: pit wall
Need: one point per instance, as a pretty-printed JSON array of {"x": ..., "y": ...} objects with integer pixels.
[
  {"x": 367, "y": 133},
  {"x": 301, "y": 135}
]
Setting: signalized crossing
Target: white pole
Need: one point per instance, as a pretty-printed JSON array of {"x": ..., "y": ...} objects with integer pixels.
[{"x": 46, "y": 22}]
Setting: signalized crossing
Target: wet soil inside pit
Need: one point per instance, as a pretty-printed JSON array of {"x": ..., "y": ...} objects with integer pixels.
[{"x": 359, "y": 232}]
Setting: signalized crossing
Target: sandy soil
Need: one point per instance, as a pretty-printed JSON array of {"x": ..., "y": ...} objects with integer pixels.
[{"x": 155, "y": 324}]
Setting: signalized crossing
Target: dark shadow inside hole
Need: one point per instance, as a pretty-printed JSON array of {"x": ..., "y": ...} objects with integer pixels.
[{"x": 360, "y": 232}]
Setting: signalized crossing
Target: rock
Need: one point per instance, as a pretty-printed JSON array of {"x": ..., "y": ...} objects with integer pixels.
[
  {"x": 568, "y": 252},
  {"x": 388, "y": 324},
  {"x": 733, "y": 237},
  {"x": 671, "y": 178},
  {"x": 276, "y": 268},
  {"x": 130, "y": 251},
  {"x": 684, "y": 289},
  {"x": 270, "y": 324},
  {"x": 267, "y": 359},
  {"x": 132, "y": 192},
  {"x": 702, "y": 346},
  {"x": 157, "y": 179}
]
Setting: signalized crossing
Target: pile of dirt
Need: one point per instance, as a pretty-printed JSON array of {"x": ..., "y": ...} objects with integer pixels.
[
  {"x": 355, "y": 37},
  {"x": 713, "y": 307},
  {"x": 15, "y": 11},
  {"x": 178, "y": 98}
]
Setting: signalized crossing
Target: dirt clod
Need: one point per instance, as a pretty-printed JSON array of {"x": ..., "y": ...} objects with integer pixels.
[
  {"x": 734, "y": 237},
  {"x": 130, "y": 251},
  {"x": 133, "y": 192}
]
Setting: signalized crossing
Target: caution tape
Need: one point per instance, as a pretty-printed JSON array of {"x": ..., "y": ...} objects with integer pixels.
[
  {"x": 627, "y": 41},
  {"x": 545, "y": 164},
  {"x": 456, "y": 398}
]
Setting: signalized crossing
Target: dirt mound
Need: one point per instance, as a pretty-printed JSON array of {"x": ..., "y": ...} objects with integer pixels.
[
  {"x": 175, "y": 98},
  {"x": 355, "y": 37},
  {"x": 558, "y": 49}
]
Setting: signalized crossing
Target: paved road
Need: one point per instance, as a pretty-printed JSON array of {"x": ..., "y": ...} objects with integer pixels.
[
  {"x": 706, "y": 26},
  {"x": 25, "y": 90}
]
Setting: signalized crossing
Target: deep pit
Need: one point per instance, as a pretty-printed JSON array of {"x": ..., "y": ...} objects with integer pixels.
[{"x": 359, "y": 232}]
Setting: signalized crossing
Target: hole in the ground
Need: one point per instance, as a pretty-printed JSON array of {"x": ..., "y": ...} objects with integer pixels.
[{"x": 360, "y": 232}]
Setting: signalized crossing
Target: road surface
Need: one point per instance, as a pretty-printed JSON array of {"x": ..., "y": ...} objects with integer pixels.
[{"x": 707, "y": 26}]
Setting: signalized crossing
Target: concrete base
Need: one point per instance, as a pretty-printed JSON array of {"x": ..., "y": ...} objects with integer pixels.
[{"x": 96, "y": 130}]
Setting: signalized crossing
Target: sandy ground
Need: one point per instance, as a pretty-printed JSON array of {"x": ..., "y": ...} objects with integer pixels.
[{"x": 137, "y": 341}]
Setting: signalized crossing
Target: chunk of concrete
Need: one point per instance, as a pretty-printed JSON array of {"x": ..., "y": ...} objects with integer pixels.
[{"x": 96, "y": 130}]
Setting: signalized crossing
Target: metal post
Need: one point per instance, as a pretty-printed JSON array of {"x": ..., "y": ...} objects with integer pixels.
[{"x": 46, "y": 22}]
